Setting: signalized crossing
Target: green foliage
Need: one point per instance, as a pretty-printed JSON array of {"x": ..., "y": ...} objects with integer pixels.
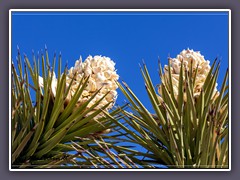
[
  {"x": 42, "y": 130},
  {"x": 179, "y": 134},
  {"x": 191, "y": 134}
]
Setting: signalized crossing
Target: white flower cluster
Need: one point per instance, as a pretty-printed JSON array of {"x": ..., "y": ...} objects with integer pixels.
[
  {"x": 102, "y": 75},
  {"x": 199, "y": 66}
]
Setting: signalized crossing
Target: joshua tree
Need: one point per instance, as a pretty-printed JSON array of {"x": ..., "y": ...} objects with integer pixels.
[
  {"x": 73, "y": 122},
  {"x": 189, "y": 128},
  {"x": 65, "y": 110}
]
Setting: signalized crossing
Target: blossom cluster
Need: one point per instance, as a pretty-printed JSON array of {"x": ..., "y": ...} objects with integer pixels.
[
  {"x": 102, "y": 76},
  {"x": 199, "y": 65}
]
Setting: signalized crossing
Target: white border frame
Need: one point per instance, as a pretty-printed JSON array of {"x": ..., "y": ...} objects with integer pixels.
[{"x": 119, "y": 10}]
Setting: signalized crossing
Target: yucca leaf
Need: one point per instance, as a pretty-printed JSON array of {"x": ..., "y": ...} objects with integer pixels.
[
  {"x": 152, "y": 94},
  {"x": 145, "y": 125},
  {"x": 23, "y": 143},
  {"x": 195, "y": 77},
  {"x": 88, "y": 119},
  {"x": 209, "y": 76},
  {"x": 220, "y": 98},
  {"x": 143, "y": 111},
  {"x": 58, "y": 103},
  {"x": 192, "y": 109},
  {"x": 211, "y": 85},
  {"x": 180, "y": 90},
  {"x": 74, "y": 100},
  {"x": 79, "y": 114},
  {"x": 170, "y": 101},
  {"x": 171, "y": 83},
  {"x": 206, "y": 146},
  {"x": 52, "y": 142},
  {"x": 21, "y": 133},
  {"x": 224, "y": 152}
]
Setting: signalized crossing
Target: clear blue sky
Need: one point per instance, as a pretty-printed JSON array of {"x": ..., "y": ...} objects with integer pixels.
[{"x": 126, "y": 38}]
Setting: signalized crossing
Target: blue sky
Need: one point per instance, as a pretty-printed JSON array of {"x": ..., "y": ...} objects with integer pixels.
[{"x": 125, "y": 37}]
